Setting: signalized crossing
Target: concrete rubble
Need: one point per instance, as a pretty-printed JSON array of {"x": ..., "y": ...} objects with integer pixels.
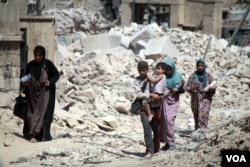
[
  {"x": 97, "y": 86},
  {"x": 87, "y": 70},
  {"x": 79, "y": 19}
]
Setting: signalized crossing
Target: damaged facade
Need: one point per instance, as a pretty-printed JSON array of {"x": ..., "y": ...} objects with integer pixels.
[
  {"x": 10, "y": 39},
  {"x": 233, "y": 14},
  {"x": 19, "y": 34},
  {"x": 203, "y": 15}
]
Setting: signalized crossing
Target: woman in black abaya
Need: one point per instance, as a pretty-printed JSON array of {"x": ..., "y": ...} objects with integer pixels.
[{"x": 40, "y": 92}]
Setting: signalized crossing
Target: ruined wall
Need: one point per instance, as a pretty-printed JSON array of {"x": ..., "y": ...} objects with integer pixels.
[
  {"x": 9, "y": 46},
  {"x": 44, "y": 5},
  {"x": 127, "y": 16},
  {"x": 8, "y": 21},
  {"x": 9, "y": 65},
  {"x": 40, "y": 31},
  {"x": 128, "y": 10},
  {"x": 217, "y": 20},
  {"x": 95, "y": 5},
  {"x": 183, "y": 13},
  {"x": 207, "y": 12}
]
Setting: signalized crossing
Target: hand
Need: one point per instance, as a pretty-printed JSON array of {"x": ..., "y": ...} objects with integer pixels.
[
  {"x": 149, "y": 77},
  {"x": 152, "y": 100},
  {"x": 211, "y": 89},
  {"x": 47, "y": 84},
  {"x": 174, "y": 90},
  {"x": 193, "y": 87},
  {"x": 26, "y": 83},
  {"x": 155, "y": 97}
]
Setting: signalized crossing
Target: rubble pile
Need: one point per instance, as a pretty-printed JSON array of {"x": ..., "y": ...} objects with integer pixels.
[
  {"x": 101, "y": 72},
  {"x": 97, "y": 86},
  {"x": 95, "y": 80},
  {"x": 78, "y": 19},
  {"x": 92, "y": 122}
]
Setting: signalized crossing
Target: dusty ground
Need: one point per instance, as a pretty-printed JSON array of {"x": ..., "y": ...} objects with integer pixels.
[{"x": 16, "y": 152}]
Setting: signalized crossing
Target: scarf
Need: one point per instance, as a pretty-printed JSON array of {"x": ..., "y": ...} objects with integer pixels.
[
  {"x": 36, "y": 69},
  {"x": 201, "y": 76},
  {"x": 175, "y": 78}
]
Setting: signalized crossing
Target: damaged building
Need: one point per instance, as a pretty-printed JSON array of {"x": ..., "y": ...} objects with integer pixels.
[
  {"x": 236, "y": 13},
  {"x": 20, "y": 32},
  {"x": 203, "y": 15}
]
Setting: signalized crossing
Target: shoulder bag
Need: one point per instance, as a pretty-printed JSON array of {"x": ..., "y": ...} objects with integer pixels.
[{"x": 20, "y": 107}]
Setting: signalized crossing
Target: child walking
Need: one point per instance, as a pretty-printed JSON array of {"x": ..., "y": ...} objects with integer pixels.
[{"x": 152, "y": 142}]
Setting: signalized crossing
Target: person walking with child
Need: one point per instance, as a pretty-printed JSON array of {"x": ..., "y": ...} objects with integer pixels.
[
  {"x": 170, "y": 104},
  {"x": 201, "y": 98},
  {"x": 143, "y": 91}
]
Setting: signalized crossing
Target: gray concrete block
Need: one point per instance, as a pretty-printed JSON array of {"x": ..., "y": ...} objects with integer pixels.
[
  {"x": 139, "y": 46},
  {"x": 101, "y": 42},
  {"x": 144, "y": 34},
  {"x": 114, "y": 41},
  {"x": 160, "y": 47}
]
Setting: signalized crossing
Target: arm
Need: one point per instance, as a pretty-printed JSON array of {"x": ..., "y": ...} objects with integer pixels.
[
  {"x": 167, "y": 92},
  {"x": 181, "y": 89},
  {"x": 210, "y": 80},
  {"x": 157, "y": 79},
  {"x": 189, "y": 87},
  {"x": 138, "y": 92},
  {"x": 27, "y": 71},
  {"x": 155, "y": 97},
  {"x": 53, "y": 73}
]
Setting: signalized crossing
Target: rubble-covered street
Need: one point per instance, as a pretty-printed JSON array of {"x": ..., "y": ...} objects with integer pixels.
[{"x": 92, "y": 124}]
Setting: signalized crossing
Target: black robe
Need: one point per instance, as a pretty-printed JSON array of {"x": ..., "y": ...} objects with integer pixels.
[{"x": 53, "y": 76}]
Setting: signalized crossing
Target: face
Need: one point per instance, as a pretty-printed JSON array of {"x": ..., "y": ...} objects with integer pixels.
[
  {"x": 200, "y": 67},
  {"x": 169, "y": 71},
  {"x": 143, "y": 72},
  {"x": 38, "y": 57},
  {"x": 160, "y": 70}
]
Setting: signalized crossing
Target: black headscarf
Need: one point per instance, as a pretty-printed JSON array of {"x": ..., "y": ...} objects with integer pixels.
[{"x": 37, "y": 66}]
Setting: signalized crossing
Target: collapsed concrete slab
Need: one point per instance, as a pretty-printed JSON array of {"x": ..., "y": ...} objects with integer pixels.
[
  {"x": 160, "y": 47},
  {"x": 145, "y": 34},
  {"x": 101, "y": 42},
  {"x": 140, "y": 45}
]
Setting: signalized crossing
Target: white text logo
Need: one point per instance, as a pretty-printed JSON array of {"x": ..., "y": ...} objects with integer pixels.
[{"x": 236, "y": 158}]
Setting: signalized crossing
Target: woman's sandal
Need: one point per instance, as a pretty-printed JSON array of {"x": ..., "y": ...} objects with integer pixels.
[{"x": 33, "y": 140}]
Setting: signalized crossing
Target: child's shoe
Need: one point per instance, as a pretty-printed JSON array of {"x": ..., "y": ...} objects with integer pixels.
[{"x": 148, "y": 155}]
